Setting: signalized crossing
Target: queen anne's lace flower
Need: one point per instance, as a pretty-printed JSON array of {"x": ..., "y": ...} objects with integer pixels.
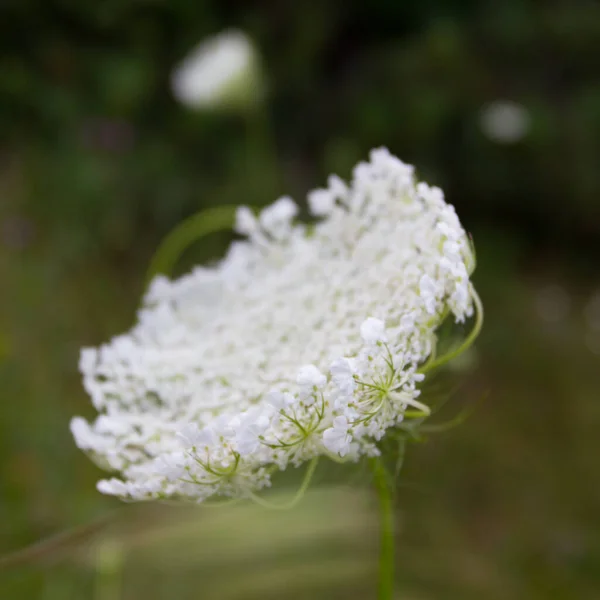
[{"x": 303, "y": 341}]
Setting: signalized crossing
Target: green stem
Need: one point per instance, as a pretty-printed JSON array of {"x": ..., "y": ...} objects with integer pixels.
[
  {"x": 53, "y": 546},
  {"x": 386, "y": 511},
  {"x": 261, "y": 154},
  {"x": 260, "y": 151},
  {"x": 109, "y": 569}
]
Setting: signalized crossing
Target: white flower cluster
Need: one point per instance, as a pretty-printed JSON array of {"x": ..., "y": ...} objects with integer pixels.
[{"x": 305, "y": 340}]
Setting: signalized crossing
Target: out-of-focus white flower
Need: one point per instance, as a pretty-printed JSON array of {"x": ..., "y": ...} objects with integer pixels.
[
  {"x": 592, "y": 312},
  {"x": 16, "y": 232},
  {"x": 504, "y": 121},
  {"x": 553, "y": 303},
  {"x": 221, "y": 72},
  {"x": 301, "y": 342},
  {"x": 592, "y": 341}
]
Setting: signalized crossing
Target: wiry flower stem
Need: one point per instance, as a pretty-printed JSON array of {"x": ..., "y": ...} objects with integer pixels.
[{"x": 386, "y": 511}]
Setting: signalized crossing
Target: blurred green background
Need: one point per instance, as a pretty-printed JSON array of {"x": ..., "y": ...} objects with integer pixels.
[{"x": 496, "y": 102}]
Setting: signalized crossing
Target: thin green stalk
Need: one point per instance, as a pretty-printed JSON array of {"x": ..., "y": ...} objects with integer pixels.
[
  {"x": 109, "y": 569},
  {"x": 261, "y": 154},
  {"x": 261, "y": 150},
  {"x": 386, "y": 511},
  {"x": 52, "y": 547}
]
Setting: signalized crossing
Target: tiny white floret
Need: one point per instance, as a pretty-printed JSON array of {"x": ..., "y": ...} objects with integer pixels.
[
  {"x": 336, "y": 438},
  {"x": 373, "y": 331}
]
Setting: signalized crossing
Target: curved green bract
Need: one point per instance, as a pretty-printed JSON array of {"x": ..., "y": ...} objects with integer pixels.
[
  {"x": 467, "y": 343},
  {"x": 211, "y": 220}
]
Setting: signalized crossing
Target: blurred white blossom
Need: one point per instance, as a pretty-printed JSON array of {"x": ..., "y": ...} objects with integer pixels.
[
  {"x": 592, "y": 312},
  {"x": 592, "y": 341},
  {"x": 553, "y": 303},
  {"x": 301, "y": 342},
  {"x": 221, "y": 72},
  {"x": 504, "y": 121},
  {"x": 16, "y": 232}
]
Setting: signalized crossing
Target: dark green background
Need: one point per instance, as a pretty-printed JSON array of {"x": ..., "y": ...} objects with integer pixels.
[{"x": 98, "y": 162}]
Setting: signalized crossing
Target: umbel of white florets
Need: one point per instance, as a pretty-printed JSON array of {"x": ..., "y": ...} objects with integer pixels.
[{"x": 302, "y": 342}]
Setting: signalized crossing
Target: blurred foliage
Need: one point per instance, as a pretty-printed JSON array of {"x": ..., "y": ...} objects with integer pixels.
[
  {"x": 98, "y": 163},
  {"x": 86, "y": 111},
  {"x": 328, "y": 543}
]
